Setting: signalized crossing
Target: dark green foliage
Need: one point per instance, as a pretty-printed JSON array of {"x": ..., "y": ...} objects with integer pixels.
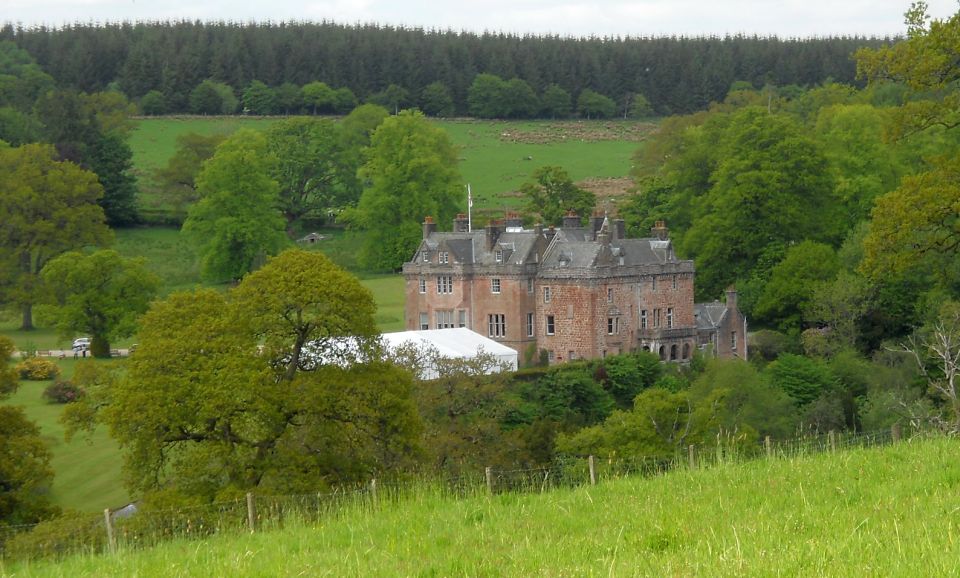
[
  {"x": 392, "y": 98},
  {"x": 236, "y": 223},
  {"x": 570, "y": 394},
  {"x": 435, "y": 100},
  {"x": 766, "y": 345},
  {"x": 485, "y": 96},
  {"x": 411, "y": 173},
  {"x": 17, "y": 128},
  {"x": 111, "y": 158},
  {"x": 732, "y": 396},
  {"x": 344, "y": 100},
  {"x": 289, "y": 98},
  {"x": 153, "y": 103},
  {"x": 310, "y": 168},
  {"x": 592, "y": 104},
  {"x": 625, "y": 376},
  {"x": 259, "y": 99},
  {"x": 318, "y": 97},
  {"x": 552, "y": 194},
  {"x": 174, "y": 57},
  {"x": 205, "y": 99},
  {"x": 793, "y": 283},
  {"x": 556, "y": 102},
  {"x": 802, "y": 378},
  {"x": 772, "y": 185}
]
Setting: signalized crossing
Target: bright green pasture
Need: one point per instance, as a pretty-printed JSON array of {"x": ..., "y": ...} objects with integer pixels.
[
  {"x": 493, "y": 160},
  {"x": 154, "y": 140},
  {"x": 495, "y": 166},
  {"x": 875, "y": 512},
  {"x": 87, "y": 469}
]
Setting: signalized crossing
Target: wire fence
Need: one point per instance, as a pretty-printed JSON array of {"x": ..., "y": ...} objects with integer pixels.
[{"x": 124, "y": 529}]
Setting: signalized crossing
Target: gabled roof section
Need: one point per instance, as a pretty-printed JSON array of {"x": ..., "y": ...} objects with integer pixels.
[{"x": 709, "y": 315}]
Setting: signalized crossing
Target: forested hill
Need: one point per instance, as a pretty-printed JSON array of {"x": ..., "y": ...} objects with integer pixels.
[{"x": 676, "y": 74}]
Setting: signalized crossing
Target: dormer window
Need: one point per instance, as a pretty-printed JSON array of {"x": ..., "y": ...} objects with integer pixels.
[
  {"x": 499, "y": 255},
  {"x": 444, "y": 257},
  {"x": 426, "y": 256}
]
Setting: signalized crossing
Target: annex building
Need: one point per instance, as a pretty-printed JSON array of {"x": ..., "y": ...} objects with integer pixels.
[{"x": 574, "y": 292}]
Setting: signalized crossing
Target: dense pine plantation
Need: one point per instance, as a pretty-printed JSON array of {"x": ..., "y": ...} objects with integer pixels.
[{"x": 676, "y": 75}]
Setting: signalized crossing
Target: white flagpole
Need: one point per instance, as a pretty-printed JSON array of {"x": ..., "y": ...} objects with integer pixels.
[{"x": 469, "y": 209}]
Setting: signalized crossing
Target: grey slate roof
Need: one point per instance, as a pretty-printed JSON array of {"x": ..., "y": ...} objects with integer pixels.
[
  {"x": 709, "y": 315},
  {"x": 569, "y": 248}
]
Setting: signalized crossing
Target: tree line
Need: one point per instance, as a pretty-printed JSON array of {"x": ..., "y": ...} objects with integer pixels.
[{"x": 170, "y": 60}]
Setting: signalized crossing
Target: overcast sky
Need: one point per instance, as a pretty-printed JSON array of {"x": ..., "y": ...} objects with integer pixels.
[{"x": 785, "y": 18}]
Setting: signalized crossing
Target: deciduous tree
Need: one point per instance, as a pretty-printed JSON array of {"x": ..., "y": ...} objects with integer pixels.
[
  {"x": 48, "y": 207},
  {"x": 236, "y": 223},
  {"x": 100, "y": 294},
  {"x": 551, "y": 194},
  {"x": 411, "y": 173},
  {"x": 249, "y": 414}
]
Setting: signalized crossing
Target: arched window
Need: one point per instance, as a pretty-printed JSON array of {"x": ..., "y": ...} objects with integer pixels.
[
  {"x": 686, "y": 351},
  {"x": 646, "y": 348},
  {"x": 663, "y": 353},
  {"x": 673, "y": 353}
]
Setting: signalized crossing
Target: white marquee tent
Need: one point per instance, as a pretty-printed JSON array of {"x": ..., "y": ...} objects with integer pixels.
[{"x": 457, "y": 343}]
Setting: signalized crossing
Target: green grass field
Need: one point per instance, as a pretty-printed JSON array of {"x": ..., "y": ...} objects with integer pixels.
[
  {"x": 496, "y": 156},
  {"x": 87, "y": 469},
  {"x": 872, "y": 512}
]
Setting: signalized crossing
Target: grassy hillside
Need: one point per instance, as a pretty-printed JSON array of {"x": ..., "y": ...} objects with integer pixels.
[{"x": 874, "y": 512}]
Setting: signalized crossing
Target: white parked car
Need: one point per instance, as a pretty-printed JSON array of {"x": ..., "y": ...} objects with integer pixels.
[{"x": 81, "y": 344}]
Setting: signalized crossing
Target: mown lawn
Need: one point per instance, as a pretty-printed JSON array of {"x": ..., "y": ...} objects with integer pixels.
[
  {"x": 87, "y": 469},
  {"x": 874, "y": 512}
]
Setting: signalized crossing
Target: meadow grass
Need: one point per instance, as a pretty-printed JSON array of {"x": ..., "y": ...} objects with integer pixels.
[
  {"x": 88, "y": 467},
  {"x": 865, "y": 512}
]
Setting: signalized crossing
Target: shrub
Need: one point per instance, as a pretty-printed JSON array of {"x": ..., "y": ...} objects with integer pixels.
[
  {"x": 37, "y": 369},
  {"x": 62, "y": 391}
]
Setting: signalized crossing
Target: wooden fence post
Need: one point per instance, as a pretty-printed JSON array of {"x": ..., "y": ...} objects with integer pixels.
[
  {"x": 111, "y": 539},
  {"x": 895, "y": 432},
  {"x": 832, "y": 436},
  {"x": 373, "y": 490},
  {"x": 489, "y": 474},
  {"x": 768, "y": 446},
  {"x": 693, "y": 463},
  {"x": 251, "y": 512},
  {"x": 593, "y": 471}
]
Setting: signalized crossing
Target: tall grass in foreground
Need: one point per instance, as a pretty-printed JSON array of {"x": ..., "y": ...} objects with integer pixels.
[{"x": 861, "y": 512}]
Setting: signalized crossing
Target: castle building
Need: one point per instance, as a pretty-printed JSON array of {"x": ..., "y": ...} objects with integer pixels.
[{"x": 573, "y": 292}]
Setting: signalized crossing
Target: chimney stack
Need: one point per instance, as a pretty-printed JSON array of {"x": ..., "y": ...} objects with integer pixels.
[
  {"x": 494, "y": 228},
  {"x": 571, "y": 220},
  {"x": 461, "y": 224},
  {"x": 731, "y": 298},
  {"x": 428, "y": 227},
  {"x": 596, "y": 221},
  {"x": 619, "y": 229},
  {"x": 660, "y": 230}
]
